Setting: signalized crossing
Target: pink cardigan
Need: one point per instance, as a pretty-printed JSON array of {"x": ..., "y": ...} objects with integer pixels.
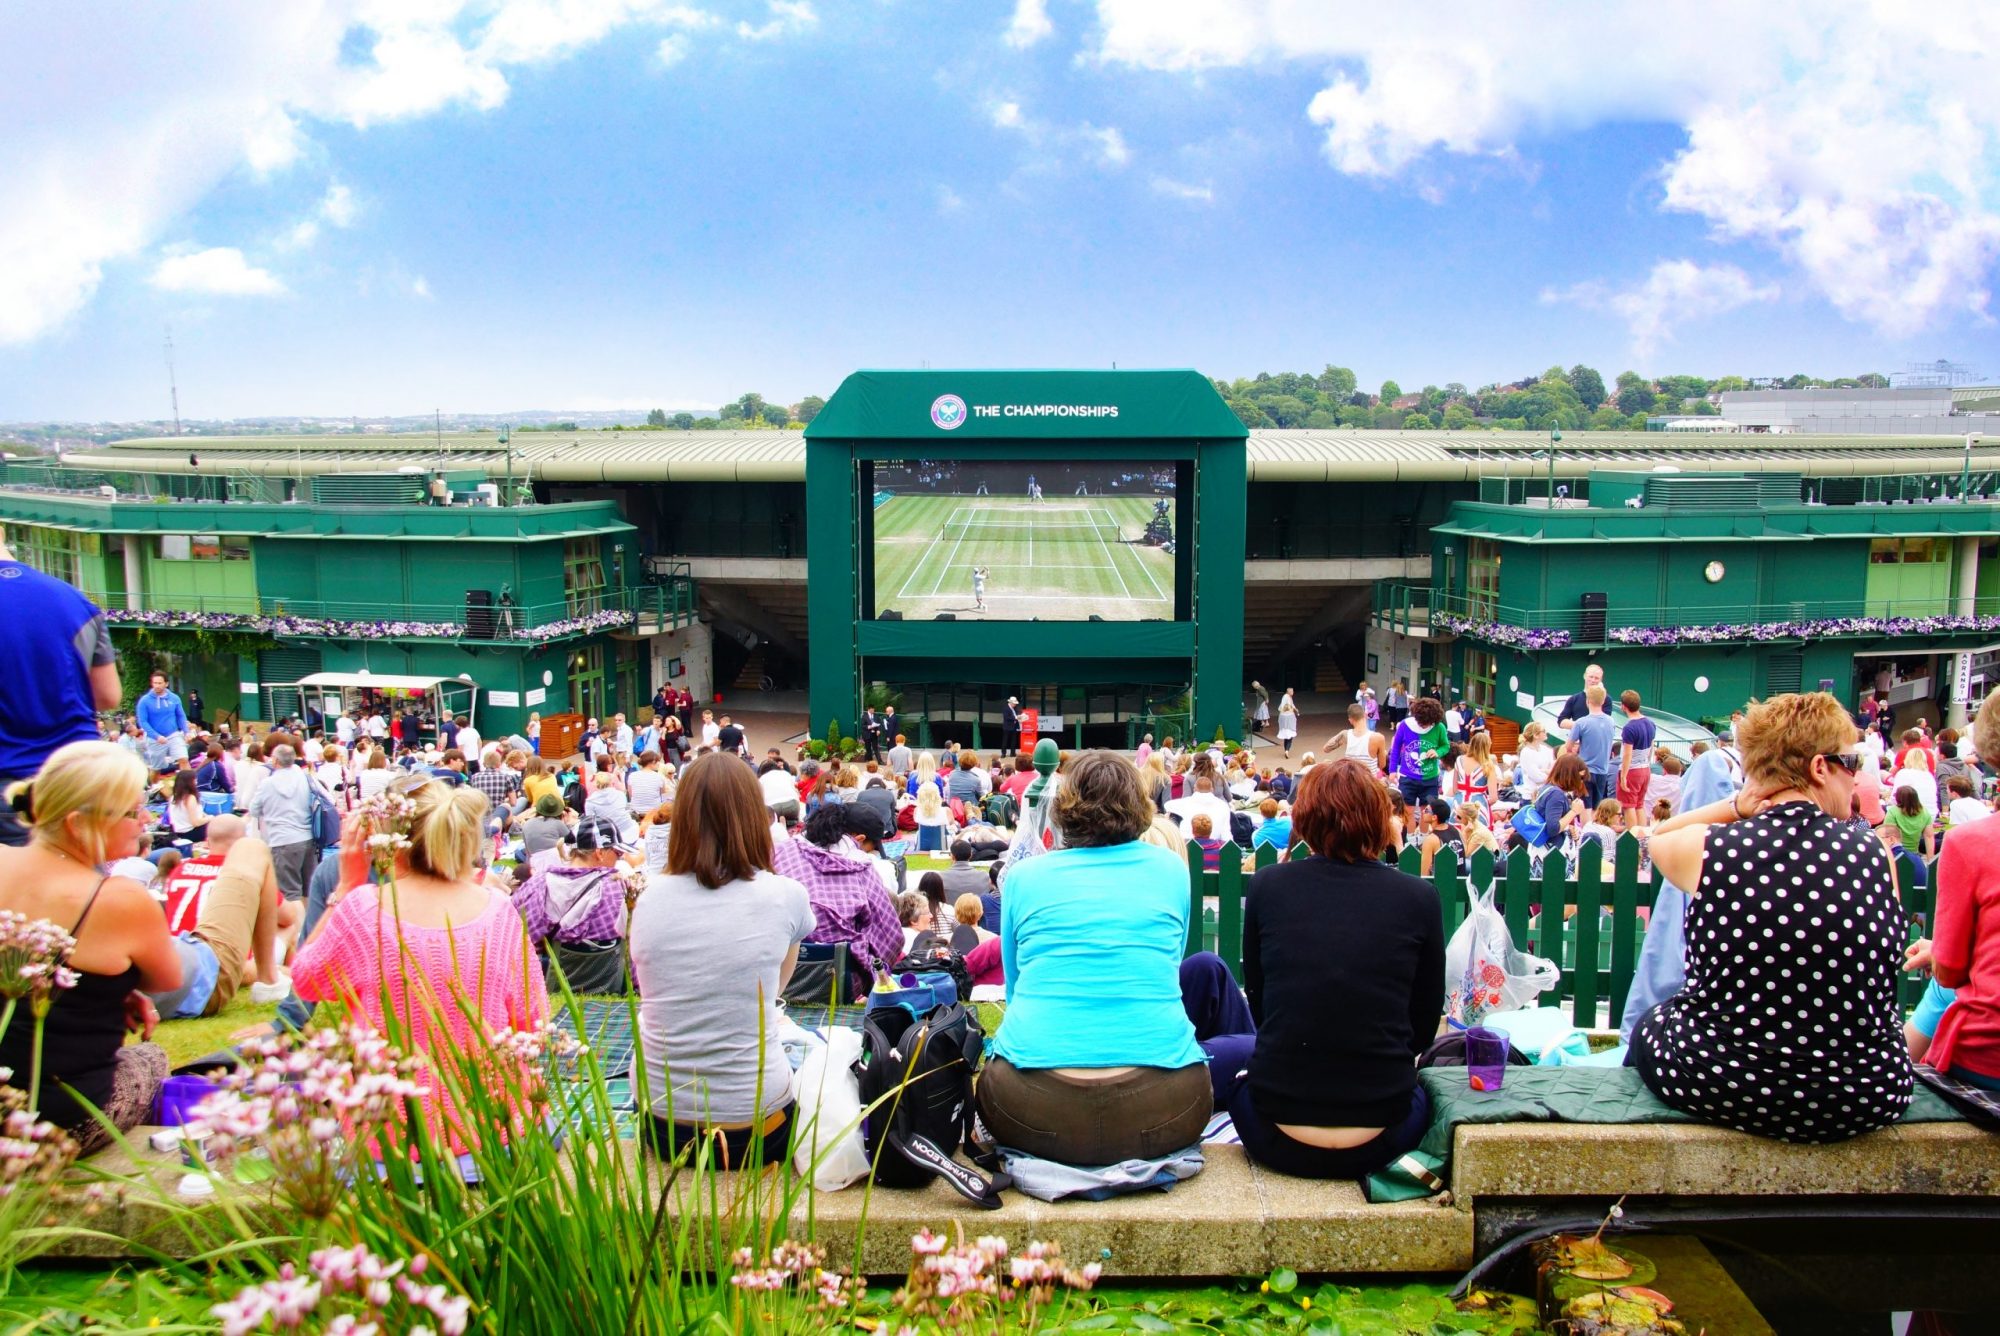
[{"x": 481, "y": 971}]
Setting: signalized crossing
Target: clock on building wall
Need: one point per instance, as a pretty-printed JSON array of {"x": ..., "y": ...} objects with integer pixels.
[{"x": 1713, "y": 572}]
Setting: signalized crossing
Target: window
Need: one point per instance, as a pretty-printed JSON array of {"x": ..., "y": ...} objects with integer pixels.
[
  {"x": 57, "y": 552},
  {"x": 203, "y": 547},
  {"x": 583, "y": 576},
  {"x": 1482, "y": 578},
  {"x": 1909, "y": 551},
  {"x": 1480, "y": 670}
]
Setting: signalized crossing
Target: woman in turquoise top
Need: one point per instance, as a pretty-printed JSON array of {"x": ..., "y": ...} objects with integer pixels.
[{"x": 1096, "y": 1061}]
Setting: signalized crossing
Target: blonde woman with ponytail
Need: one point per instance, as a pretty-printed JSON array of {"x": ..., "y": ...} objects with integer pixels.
[
  {"x": 85, "y": 811},
  {"x": 446, "y": 955}
]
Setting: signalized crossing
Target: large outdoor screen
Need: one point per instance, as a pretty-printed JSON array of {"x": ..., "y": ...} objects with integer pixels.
[{"x": 1024, "y": 540}]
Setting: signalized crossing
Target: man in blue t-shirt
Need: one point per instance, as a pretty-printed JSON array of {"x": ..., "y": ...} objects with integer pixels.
[
  {"x": 1595, "y": 735},
  {"x": 164, "y": 722},
  {"x": 57, "y": 669}
]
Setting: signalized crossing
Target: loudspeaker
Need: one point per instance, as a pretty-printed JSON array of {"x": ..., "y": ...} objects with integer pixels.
[
  {"x": 1590, "y": 626},
  {"x": 479, "y": 614},
  {"x": 945, "y": 617},
  {"x": 890, "y": 615}
]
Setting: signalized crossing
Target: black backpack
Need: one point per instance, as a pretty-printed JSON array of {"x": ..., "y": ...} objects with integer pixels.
[{"x": 916, "y": 1090}]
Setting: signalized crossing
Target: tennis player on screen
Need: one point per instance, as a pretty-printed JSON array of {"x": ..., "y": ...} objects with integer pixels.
[{"x": 979, "y": 588}]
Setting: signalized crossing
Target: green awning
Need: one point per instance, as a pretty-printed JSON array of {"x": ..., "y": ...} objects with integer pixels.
[{"x": 946, "y": 406}]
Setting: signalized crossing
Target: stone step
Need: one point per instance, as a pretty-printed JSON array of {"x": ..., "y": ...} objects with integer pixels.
[{"x": 1238, "y": 1218}]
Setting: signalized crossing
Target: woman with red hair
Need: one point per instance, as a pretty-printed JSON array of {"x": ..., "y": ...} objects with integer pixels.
[{"x": 1326, "y": 1086}]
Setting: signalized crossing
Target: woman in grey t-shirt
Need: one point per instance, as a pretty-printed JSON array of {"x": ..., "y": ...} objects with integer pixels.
[{"x": 714, "y": 940}]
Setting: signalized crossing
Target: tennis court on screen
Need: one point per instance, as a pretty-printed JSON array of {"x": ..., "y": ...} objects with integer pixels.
[{"x": 1059, "y": 558}]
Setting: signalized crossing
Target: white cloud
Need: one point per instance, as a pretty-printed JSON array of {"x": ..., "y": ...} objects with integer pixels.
[
  {"x": 1172, "y": 189},
  {"x": 672, "y": 50},
  {"x": 1112, "y": 151},
  {"x": 1054, "y": 146},
  {"x": 126, "y": 126},
  {"x": 949, "y": 200},
  {"x": 1029, "y": 25},
  {"x": 788, "y": 17},
  {"x": 1838, "y": 134},
  {"x": 337, "y": 208},
  {"x": 1675, "y": 293},
  {"x": 420, "y": 287},
  {"x": 338, "y": 205},
  {"x": 219, "y": 271},
  {"x": 273, "y": 141}
]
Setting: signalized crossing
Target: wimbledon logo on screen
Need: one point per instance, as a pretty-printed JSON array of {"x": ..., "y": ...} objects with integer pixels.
[{"x": 948, "y": 411}]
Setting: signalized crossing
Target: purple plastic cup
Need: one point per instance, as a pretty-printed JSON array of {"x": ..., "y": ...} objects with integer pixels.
[
  {"x": 1485, "y": 1058},
  {"x": 179, "y": 1097}
]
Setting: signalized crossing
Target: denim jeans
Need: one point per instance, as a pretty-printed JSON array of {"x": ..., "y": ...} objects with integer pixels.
[{"x": 294, "y": 1012}]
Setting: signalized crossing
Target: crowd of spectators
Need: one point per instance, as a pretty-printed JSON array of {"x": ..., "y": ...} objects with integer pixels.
[{"x": 685, "y": 865}]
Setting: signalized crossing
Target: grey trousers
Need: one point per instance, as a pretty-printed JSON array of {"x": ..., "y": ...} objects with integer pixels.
[{"x": 294, "y": 864}]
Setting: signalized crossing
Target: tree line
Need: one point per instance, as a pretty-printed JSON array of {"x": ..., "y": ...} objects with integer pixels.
[
  {"x": 1572, "y": 400},
  {"x": 1576, "y": 399}
]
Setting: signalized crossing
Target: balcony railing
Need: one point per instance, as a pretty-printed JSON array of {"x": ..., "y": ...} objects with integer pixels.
[
  {"x": 647, "y": 609},
  {"x": 1402, "y": 607},
  {"x": 1662, "y": 626}
]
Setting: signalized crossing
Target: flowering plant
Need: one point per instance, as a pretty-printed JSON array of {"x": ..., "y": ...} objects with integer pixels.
[
  {"x": 1498, "y": 633},
  {"x": 348, "y": 1292},
  {"x": 1809, "y": 628},
  {"x": 309, "y": 1099},
  {"x": 335, "y": 628},
  {"x": 32, "y": 956}
]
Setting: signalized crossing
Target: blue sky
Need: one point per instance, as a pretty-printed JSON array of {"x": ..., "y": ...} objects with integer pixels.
[{"x": 515, "y": 204}]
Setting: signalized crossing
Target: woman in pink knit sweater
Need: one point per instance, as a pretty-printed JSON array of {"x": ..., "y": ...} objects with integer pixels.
[{"x": 447, "y": 956}]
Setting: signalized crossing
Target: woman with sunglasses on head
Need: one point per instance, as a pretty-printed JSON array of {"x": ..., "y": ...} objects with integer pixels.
[
  {"x": 85, "y": 811},
  {"x": 1788, "y": 1026}
]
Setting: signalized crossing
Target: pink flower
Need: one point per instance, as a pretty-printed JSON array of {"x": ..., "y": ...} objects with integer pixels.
[{"x": 926, "y": 1244}]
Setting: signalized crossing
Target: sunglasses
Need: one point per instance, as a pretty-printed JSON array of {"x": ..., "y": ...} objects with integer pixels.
[{"x": 1851, "y": 762}]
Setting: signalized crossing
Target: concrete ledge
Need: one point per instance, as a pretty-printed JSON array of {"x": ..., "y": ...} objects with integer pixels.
[
  {"x": 1686, "y": 1159},
  {"x": 1234, "y": 1218}
]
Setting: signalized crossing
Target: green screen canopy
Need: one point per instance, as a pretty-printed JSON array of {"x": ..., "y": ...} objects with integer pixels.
[{"x": 947, "y": 406}]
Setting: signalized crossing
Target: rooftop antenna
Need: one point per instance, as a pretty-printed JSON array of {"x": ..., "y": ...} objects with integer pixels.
[{"x": 173, "y": 388}]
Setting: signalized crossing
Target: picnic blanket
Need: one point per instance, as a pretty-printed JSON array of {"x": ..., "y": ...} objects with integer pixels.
[
  {"x": 606, "y": 1026},
  {"x": 1573, "y": 1095}
]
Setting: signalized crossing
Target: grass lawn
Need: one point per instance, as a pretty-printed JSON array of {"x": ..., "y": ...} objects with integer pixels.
[{"x": 187, "y": 1040}]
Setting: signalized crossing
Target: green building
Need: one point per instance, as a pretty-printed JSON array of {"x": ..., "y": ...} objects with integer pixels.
[
  {"x": 742, "y": 560},
  {"x": 1703, "y": 591},
  {"x": 538, "y": 609}
]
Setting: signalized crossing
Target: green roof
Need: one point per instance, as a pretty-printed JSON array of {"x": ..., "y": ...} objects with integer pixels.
[
  {"x": 441, "y": 524},
  {"x": 945, "y": 406}
]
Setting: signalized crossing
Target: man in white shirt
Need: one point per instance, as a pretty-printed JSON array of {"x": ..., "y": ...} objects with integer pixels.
[
  {"x": 468, "y": 740},
  {"x": 1216, "y": 807},
  {"x": 378, "y": 727},
  {"x": 1964, "y": 807},
  {"x": 621, "y": 735},
  {"x": 710, "y": 730},
  {"x": 345, "y": 729}
]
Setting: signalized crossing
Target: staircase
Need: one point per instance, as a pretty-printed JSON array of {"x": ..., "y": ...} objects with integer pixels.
[
  {"x": 1328, "y": 680},
  {"x": 752, "y": 673}
]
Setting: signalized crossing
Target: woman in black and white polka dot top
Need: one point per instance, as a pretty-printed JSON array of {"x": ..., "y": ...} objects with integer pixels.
[{"x": 1788, "y": 1025}]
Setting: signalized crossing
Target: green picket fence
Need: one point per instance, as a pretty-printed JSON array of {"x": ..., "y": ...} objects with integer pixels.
[{"x": 1596, "y": 946}]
